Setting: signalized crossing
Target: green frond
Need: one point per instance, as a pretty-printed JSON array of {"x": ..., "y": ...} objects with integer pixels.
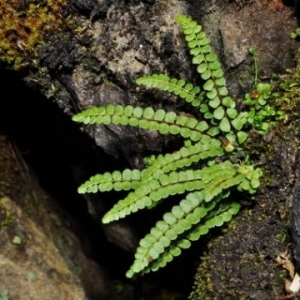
[
  {"x": 178, "y": 87},
  {"x": 153, "y": 190},
  {"x": 215, "y": 219},
  {"x": 126, "y": 180},
  {"x": 219, "y": 107},
  {"x": 150, "y": 191},
  {"x": 185, "y": 157},
  {"x": 208, "y": 65},
  {"x": 167, "y": 230},
  {"x": 186, "y": 222},
  {"x": 148, "y": 118}
]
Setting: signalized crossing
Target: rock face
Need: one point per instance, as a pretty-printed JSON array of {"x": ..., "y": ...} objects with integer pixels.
[
  {"x": 128, "y": 41},
  {"x": 116, "y": 42},
  {"x": 125, "y": 41},
  {"x": 41, "y": 257}
]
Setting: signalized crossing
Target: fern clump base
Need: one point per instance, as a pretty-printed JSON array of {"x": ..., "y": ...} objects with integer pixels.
[{"x": 202, "y": 170}]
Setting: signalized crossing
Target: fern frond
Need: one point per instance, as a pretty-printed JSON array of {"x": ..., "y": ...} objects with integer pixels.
[
  {"x": 208, "y": 65},
  {"x": 185, "y": 157},
  {"x": 167, "y": 230},
  {"x": 216, "y": 219},
  {"x": 178, "y": 87},
  {"x": 225, "y": 214},
  {"x": 219, "y": 107},
  {"x": 148, "y": 118},
  {"x": 227, "y": 211},
  {"x": 126, "y": 180},
  {"x": 168, "y": 237},
  {"x": 153, "y": 191}
]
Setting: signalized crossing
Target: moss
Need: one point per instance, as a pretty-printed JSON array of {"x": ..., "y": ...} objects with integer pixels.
[{"x": 23, "y": 26}]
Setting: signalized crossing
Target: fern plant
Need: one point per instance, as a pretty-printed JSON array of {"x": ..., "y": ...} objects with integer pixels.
[{"x": 201, "y": 171}]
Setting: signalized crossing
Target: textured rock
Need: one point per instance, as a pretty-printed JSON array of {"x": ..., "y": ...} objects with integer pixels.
[
  {"x": 126, "y": 41},
  {"x": 41, "y": 257},
  {"x": 119, "y": 41}
]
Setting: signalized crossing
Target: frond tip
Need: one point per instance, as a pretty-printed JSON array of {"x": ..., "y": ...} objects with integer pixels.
[
  {"x": 126, "y": 180},
  {"x": 178, "y": 87},
  {"x": 186, "y": 222}
]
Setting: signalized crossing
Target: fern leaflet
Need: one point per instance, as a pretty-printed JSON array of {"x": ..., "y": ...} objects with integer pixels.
[{"x": 185, "y": 91}]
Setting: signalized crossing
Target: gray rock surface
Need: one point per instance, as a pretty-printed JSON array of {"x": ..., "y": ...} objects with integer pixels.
[{"x": 137, "y": 38}]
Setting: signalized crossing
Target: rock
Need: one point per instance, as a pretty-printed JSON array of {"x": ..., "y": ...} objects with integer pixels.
[
  {"x": 41, "y": 256},
  {"x": 116, "y": 42},
  {"x": 236, "y": 26},
  {"x": 142, "y": 38}
]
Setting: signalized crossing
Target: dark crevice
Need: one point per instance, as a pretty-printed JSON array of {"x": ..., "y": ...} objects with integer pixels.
[
  {"x": 62, "y": 157},
  {"x": 55, "y": 149}
]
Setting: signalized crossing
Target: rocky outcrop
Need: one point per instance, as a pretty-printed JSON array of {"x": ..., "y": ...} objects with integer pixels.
[
  {"x": 111, "y": 43},
  {"x": 41, "y": 256}
]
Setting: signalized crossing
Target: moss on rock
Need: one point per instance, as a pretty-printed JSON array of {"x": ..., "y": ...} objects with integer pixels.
[{"x": 23, "y": 26}]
